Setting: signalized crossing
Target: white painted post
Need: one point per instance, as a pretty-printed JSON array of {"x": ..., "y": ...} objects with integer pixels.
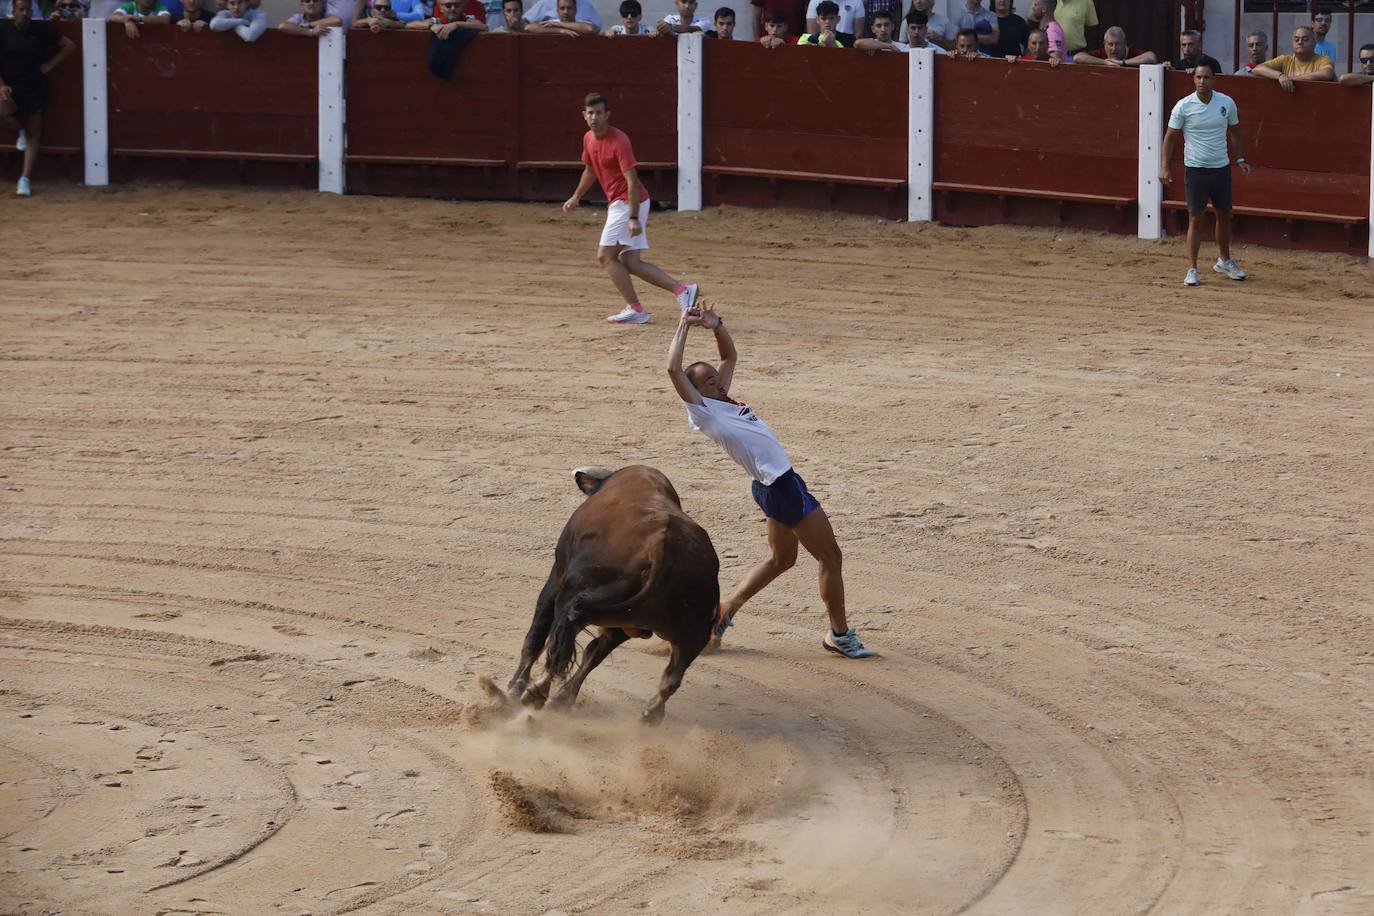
[
  {"x": 920, "y": 141},
  {"x": 95, "y": 103},
  {"x": 331, "y": 75},
  {"x": 1150, "y": 193},
  {"x": 689, "y": 111}
]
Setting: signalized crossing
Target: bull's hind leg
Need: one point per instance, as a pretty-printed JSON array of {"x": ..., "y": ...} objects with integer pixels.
[
  {"x": 535, "y": 639},
  {"x": 593, "y": 655},
  {"x": 672, "y": 680}
]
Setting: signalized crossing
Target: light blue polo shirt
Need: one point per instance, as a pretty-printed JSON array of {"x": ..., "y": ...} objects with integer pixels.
[{"x": 1204, "y": 129}]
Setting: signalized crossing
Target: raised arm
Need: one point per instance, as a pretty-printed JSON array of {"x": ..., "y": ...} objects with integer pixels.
[
  {"x": 725, "y": 345},
  {"x": 685, "y": 389}
]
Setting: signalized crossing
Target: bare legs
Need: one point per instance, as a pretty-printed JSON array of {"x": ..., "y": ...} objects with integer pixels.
[
  {"x": 815, "y": 534},
  {"x": 1224, "y": 233},
  {"x": 622, "y": 264},
  {"x": 31, "y": 125},
  {"x": 1195, "y": 236}
]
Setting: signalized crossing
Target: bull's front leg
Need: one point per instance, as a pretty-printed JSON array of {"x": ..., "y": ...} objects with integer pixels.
[
  {"x": 535, "y": 639},
  {"x": 593, "y": 655},
  {"x": 671, "y": 681}
]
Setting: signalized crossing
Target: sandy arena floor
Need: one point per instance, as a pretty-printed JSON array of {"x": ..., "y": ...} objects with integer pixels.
[{"x": 279, "y": 480}]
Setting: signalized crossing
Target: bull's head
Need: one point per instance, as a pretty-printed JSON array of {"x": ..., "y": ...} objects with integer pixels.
[{"x": 590, "y": 479}]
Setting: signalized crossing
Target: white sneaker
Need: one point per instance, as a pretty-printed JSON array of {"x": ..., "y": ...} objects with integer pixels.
[
  {"x": 1230, "y": 268},
  {"x": 847, "y": 644},
  {"x": 628, "y": 315},
  {"x": 688, "y": 297},
  {"x": 1192, "y": 279},
  {"x": 23, "y": 142},
  {"x": 24, "y": 190}
]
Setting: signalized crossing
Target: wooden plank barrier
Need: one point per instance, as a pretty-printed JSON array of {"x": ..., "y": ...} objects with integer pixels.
[
  {"x": 804, "y": 127},
  {"x": 209, "y": 106},
  {"x": 1026, "y": 143},
  {"x": 62, "y": 123},
  {"x": 1309, "y": 154}
]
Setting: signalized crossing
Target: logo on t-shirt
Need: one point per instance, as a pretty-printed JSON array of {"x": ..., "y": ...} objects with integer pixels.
[
  {"x": 1223, "y": 111},
  {"x": 747, "y": 414}
]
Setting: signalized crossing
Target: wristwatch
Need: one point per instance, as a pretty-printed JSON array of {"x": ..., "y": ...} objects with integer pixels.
[{"x": 1240, "y": 160}]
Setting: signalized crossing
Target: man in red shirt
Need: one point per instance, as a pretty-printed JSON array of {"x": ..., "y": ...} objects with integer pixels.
[{"x": 609, "y": 159}]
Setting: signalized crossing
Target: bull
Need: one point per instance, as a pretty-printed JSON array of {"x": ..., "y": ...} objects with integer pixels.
[{"x": 633, "y": 564}]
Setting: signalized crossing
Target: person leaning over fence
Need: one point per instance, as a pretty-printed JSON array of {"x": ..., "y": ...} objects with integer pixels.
[
  {"x": 918, "y": 33},
  {"x": 1205, "y": 118},
  {"x": 246, "y": 22},
  {"x": 793, "y": 15},
  {"x": 940, "y": 31},
  {"x": 1044, "y": 13},
  {"x": 983, "y": 24},
  {"x": 29, "y": 50},
  {"x": 883, "y": 29},
  {"x": 567, "y": 23},
  {"x": 141, "y": 12},
  {"x": 381, "y": 15},
  {"x": 1037, "y": 48},
  {"x": 194, "y": 16},
  {"x": 1366, "y": 75},
  {"x": 966, "y": 45},
  {"x": 631, "y": 20},
  {"x": 1302, "y": 64},
  {"x": 547, "y": 11},
  {"x": 723, "y": 24},
  {"x": 774, "y": 30},
  {"x": 314, "y": 19},
  {"x": 513, "y": 18},
  {"x": 454, "y": 16},
  {"x": 1073, "y": 17},
  {"x": 1115, "y": 52},
  {"x": 1257, "y": 46},
  {"x": 849, "y": 21},
  {"x": 827, "y": 34},
  {"x": 683, "y": 21}
]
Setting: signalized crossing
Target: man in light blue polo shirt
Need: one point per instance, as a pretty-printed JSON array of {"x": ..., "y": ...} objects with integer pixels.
[{"x": 1204, "y": 118}]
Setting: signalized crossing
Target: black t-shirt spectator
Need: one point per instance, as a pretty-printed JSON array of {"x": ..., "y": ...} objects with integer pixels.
[
  {"x": 1012, "y": 33},
  {"x": 1184, "y": 64},
  {"x": 23, "y": 51},
  {"x": 200, "y": 15}
]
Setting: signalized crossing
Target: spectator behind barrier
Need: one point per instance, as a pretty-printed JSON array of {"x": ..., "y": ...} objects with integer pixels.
[
  {"x": 246, "y": 22},
  {"x": 883, "y": 28},
  {"x": 1115, "y": 52},
  {"x": 774, "y": 29},
  {"x": 1073, "y": 17},
  {"x": 1045, "y": 12},
  {"x": 1366, "y": 75},
  {"x": 940, "y": 31},
  {"x": 513, "y": 17},
  {"x": 1190, "y": 47},
  {"x": 918, "y": 32},
  {"x": 29, "y": 51},
  {"x": 145, "y": 12},
  {"x": 966, "y": 45},
  {"x": 566, "y": 22},
  {"x": 872, "y": 8},
  {"x": 631, "y": 20},
  {"x": 459, "y": 15},
  {"x": 793, "y": 15},
  {"x": 1037, "y": 48},
  {"x": 1302, "y": 64},
  {"x": 314, "y": 20},
  {"x": 380, "y": 15},
  {"x": 1257, "y": 44},
  {"x": 683, "y": 21},
  {"x": 827, "y": 21},
  {"x": 194, "y": 16},
  {"x": 850, "y": 19},
  {"x": 723, "y": 24},
  {"x": 983, "y": 23},
  {"x": 1012, "y": 31},
  {"x": 70, "y": 9},
  {"x": 547, "y": 11},
  {"x": 1321, "y": 26}
]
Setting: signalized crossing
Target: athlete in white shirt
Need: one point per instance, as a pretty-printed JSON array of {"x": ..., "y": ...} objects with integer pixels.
[{"x": 793, "y": 514}]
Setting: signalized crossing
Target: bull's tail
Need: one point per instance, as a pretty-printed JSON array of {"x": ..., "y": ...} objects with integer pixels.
[{"x": 569, "y": 617}]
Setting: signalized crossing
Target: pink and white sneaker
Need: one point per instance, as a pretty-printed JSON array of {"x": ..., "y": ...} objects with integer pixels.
[{"x": 629, "y": 315}]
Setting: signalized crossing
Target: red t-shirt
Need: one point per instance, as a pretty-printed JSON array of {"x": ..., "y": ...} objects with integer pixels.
[
  {"x": 473, "y": 9},
  {"x": 794, "y": 10},
  {"x": 609, "y": 157}
]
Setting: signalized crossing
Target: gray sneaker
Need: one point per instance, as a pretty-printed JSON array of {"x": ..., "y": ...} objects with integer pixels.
[
  {"x": 847, "y": 645},
  {"x": 1230, "y": 268},
  {"x": 1192, "y": 279}
]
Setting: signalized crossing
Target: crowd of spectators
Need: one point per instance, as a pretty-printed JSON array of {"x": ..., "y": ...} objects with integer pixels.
[{"x": 1051, "y": 31}]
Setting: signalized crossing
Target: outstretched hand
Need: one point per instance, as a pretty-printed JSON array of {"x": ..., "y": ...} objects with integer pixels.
[{"x": 701, "y": 315}]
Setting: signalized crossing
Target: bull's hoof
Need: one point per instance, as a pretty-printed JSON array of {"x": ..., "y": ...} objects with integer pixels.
[
  {"x": 490, "y": 689},
  {"x": 652, "y": 715},
  {"x": 534, "y": 696}
]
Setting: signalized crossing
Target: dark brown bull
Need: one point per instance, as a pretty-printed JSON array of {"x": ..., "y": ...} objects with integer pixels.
[{"x": 632, "y": 563}]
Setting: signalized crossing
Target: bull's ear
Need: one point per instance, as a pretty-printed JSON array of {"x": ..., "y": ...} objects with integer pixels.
[{"x": 590, "y": 479}]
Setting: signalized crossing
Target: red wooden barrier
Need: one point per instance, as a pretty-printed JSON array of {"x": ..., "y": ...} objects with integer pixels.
[
  {"x": 208, "y": 105},
  {"x": 1029, "y": 144},
  {"x": 62, "y": 123},
  {"x": 1309, "y": 151},
  {"x": 804, "y": 127},
  {"x": 508, "y": 123}
]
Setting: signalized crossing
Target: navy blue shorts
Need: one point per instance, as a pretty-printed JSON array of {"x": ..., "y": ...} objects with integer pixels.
[
  {"x": 786, "y": 500},
  {"x": 1200, "y": 185}
]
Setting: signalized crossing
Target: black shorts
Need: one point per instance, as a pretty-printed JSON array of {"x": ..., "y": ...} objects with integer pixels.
[
  {"x": 30, "y": 100},
  {"x": 1201, "y": 185}
]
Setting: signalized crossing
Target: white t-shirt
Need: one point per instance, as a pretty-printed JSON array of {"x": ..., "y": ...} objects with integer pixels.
[
  {"x": 849, "y": 11},
  {"x": 1204, "y": 129},
  {"x": 619, "y": 29},
  {"x": 676, "y": 19},
  {"x": 745, "y": 437}
]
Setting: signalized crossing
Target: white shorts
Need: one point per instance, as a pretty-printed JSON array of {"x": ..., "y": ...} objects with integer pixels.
[{"x": 617, "y": 231}]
